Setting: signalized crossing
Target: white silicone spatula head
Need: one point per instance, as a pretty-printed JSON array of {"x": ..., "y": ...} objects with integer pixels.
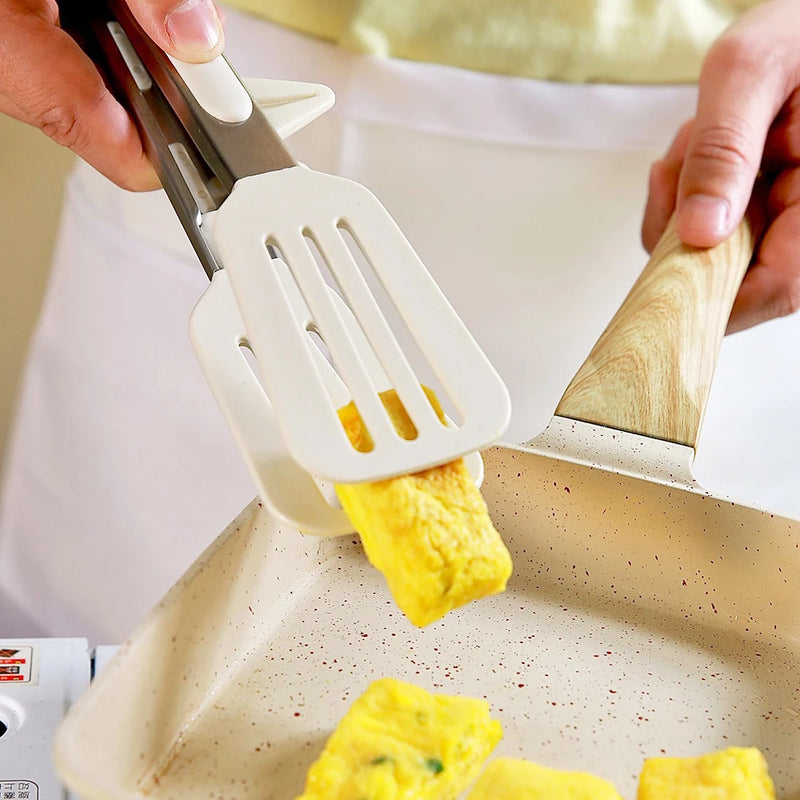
[{"x": 310, "y": 217}]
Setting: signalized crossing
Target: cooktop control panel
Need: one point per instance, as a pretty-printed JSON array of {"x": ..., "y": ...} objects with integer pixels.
[{"x": 39, "y": 681}]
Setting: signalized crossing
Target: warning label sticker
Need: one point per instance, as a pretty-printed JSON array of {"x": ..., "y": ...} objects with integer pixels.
[
  {"x": 18, "y": 790},
  {"x": 16, "y": 664}
]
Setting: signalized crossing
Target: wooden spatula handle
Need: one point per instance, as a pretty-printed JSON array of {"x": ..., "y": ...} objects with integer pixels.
[{"x": 651, "y": 370}]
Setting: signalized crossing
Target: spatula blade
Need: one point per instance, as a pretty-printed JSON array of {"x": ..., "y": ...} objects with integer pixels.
[{"x": 295, "y": 210}]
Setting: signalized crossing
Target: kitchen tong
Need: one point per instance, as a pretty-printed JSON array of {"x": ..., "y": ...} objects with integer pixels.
[{"x": 308, "y": 272}]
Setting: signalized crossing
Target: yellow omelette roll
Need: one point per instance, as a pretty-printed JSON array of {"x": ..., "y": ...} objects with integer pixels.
[
  {"x": 515, "y": 779},
  {"x": 400, "y": 742},
  {"x": 428, "y": 533},
  {"x": 738, "y": 773}
]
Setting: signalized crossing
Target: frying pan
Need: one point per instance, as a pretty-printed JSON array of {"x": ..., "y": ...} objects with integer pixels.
[{"x": 645, "y": 615}]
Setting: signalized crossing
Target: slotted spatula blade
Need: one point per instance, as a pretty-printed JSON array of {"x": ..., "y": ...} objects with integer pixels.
[{"x": 299, "y": 211}]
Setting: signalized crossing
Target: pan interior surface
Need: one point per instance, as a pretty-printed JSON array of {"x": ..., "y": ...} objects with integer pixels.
[{"x": 641, "y": 620}]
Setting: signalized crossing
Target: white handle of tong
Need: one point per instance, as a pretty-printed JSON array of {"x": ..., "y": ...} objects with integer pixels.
[
  {"x": 216, "y": 88},
  {"x": 287, "y": 105}
]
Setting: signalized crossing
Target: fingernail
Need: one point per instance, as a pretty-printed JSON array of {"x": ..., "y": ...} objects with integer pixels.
[
  {"x": 706, "y": 214},
  {"x": 194, "y": 27}
]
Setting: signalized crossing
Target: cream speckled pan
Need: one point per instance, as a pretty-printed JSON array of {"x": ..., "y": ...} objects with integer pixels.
[{"x": 644, "y": 616}]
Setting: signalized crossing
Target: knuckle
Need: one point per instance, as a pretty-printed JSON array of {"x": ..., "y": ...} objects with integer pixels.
[
  {"x": 738, "y": 52},
  {"x": 60, "y": 123},
  {"x": 20, "y": 13},
  {"x": 66, "y": 122},
  {"x": 787, "y": 301},
  {"x": 728, "y": 142}
]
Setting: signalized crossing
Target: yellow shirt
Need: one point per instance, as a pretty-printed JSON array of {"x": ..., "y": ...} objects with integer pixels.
[{"x": 611, "y": 41}]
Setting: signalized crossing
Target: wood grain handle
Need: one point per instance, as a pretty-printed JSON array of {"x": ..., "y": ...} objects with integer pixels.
[{"x": 651, "y": 370}]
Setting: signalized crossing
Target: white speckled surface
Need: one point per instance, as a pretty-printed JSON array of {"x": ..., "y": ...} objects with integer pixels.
[
  {"x": 617, "y": 451},
  {"x": 641, "y": 619}
]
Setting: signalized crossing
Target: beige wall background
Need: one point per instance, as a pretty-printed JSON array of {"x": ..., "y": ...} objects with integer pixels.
[{"x": 32, "y": 175}]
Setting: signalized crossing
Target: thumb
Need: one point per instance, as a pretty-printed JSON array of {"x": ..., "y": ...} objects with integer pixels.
[
  {"x": 741, "y": 92},
  {"x": 189, "y": 30}
]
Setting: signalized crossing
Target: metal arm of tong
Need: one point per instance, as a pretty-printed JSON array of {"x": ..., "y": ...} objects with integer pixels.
[{"x": 197, "y": 156}]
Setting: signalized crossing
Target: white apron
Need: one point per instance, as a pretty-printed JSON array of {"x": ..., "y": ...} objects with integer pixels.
[{"x": 524, "y": 199}]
